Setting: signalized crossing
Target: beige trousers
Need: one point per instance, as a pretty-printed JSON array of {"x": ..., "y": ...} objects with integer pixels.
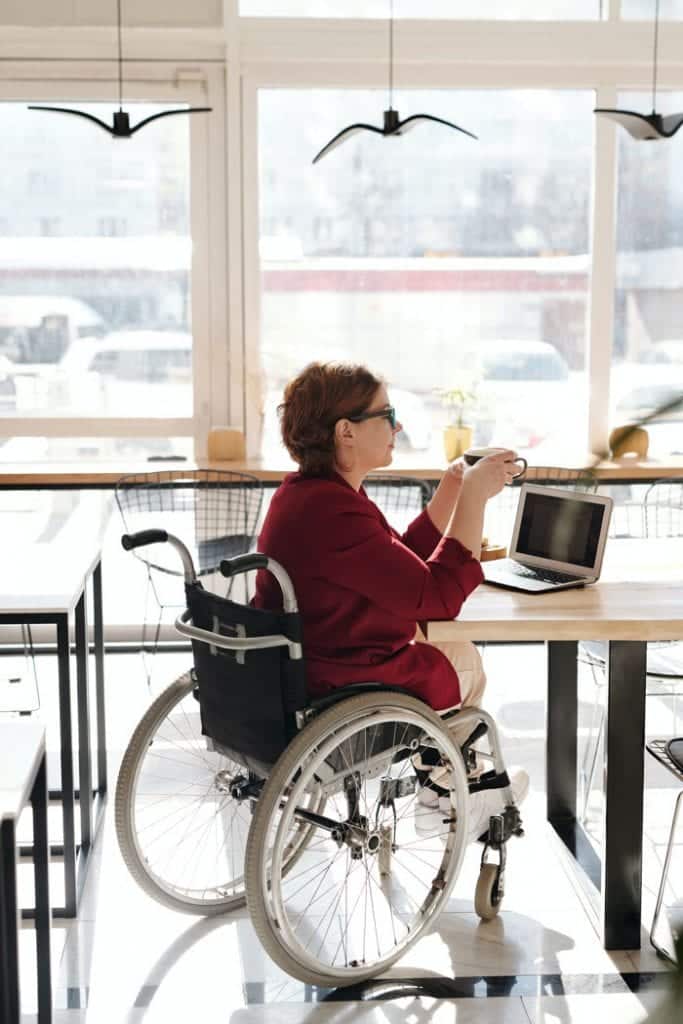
[{"x": 466, "y": 660}]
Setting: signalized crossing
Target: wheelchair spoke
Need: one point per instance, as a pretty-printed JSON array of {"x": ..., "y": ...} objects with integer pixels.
[{"x": 368, "y": 884}]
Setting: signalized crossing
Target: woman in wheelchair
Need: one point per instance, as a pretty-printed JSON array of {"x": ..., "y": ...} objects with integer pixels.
[
  {"x": 362, "y": 589},
  {"x": 318, "y": 760}
]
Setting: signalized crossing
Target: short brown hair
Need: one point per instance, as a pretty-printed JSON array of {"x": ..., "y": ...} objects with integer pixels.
[{"x": 313, "y": 402}]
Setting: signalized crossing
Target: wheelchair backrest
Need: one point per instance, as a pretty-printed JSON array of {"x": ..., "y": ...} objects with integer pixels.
[{"x": 248, "y": 699}]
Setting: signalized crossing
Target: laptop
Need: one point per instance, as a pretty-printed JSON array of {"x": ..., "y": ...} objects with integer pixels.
[{"x": 557, "y": 542}]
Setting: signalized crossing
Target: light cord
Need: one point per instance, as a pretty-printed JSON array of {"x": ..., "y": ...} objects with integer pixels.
[
  {"x": 118, "y": 14},
  {"x": 654, "y": 58}
]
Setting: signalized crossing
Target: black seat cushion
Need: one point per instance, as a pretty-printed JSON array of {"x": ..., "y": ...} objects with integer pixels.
[{"x": 675, "y": 751}]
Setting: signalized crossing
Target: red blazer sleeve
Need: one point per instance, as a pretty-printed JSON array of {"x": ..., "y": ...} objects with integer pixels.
[
  {"x": 422, "y": 536},
  {"x": 362, "y": 556}
]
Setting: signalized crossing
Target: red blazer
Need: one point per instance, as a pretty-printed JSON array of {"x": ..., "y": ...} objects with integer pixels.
[{"x": 362, "y": 588}]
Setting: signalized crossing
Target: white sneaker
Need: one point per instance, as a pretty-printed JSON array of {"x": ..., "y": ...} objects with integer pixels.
[
  {"x": 490, "y": 801},
  {"x": 482, "y": 806}
]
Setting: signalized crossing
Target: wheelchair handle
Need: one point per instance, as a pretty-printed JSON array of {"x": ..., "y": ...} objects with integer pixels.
[
  {"x": 130, "y": 541},
  {"x": 255, "y": 560},
  {"x": 243, "y": 563}
]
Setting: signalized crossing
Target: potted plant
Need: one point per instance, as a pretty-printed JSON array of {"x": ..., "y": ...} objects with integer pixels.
[{"x": 457, "y": 435}]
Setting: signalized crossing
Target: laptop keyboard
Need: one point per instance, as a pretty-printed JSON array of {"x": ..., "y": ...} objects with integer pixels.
[{"x": 544, "y": 575}]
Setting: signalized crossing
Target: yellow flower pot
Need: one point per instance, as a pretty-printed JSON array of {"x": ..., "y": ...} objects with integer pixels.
[{"x": 456, "y": 440}]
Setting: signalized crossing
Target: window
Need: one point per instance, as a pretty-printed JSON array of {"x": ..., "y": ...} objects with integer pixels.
[
  {"x": 97, "y": 324},
  {"x": 644, "y": 10},
  {"x": 647, "y": 366},
  {"x": 443, "y": 260}
]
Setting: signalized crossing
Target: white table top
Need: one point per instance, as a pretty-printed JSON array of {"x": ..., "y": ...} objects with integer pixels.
[
  {"x": 22, "y": 743},
  {"x": 639, "y": 597},
  {"x": 47, "y": 551}
]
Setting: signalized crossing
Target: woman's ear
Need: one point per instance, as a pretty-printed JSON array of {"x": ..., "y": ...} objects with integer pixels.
[{"x": 343, "y": 431}]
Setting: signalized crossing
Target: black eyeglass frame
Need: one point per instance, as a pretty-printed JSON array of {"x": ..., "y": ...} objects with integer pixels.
[{"x": 388, "y": 414}]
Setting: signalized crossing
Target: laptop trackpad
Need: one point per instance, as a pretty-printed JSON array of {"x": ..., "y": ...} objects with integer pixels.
[{"x": 513, "y": 582}]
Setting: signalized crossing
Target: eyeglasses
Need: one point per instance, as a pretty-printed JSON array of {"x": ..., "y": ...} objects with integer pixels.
[{"x": 387, "y": 414}]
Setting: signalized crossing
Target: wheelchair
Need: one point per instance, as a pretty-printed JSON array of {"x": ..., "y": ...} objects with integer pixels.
[{"x": 235, "y": 787}]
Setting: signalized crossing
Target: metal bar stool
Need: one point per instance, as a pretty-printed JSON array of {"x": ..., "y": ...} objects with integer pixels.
[{"x": 669, "y": 753}]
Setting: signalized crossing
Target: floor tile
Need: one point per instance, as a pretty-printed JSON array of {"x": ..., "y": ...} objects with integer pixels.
[
  {"x": 395, "y": 1011},
  {"x": 607, "y": 1009},
  {"x": 134, "y": 960}
]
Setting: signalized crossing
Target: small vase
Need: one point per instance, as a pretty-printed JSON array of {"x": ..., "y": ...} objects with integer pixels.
[{"x": 456, "y": 440}]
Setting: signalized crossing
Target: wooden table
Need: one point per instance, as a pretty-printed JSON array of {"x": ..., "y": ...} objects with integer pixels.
[
  {"x": 45, "y": 580},
  {"x": 23, "y": 778},
  {"x": 105, "y": 473},
  {"x": 639, "y": 598}
]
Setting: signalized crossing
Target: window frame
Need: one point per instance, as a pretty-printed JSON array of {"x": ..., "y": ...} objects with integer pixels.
[
  {"x": 246, "y": 54},
  {"x": 82, "y": 82}
]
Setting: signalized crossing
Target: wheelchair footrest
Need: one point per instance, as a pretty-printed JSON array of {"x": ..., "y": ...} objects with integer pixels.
[{"x": 490, "y": 780}]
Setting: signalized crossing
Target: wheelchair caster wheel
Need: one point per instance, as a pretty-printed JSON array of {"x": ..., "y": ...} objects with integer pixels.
[{"x": 487, "y": 900}]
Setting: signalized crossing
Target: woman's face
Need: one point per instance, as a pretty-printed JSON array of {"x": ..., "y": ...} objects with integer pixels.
[{"x": 374, "y": 436}]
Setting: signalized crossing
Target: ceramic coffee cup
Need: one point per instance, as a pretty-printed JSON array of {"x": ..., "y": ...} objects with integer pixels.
[{"x": 473, "y": 455}]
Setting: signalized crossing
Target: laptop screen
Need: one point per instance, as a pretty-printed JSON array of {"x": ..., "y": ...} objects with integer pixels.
[{"x": 562, "y": 529}]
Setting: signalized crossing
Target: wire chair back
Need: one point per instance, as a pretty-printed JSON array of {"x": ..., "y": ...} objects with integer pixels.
[
  {"x": 399, "y": 498},
  {"x": 214, "y": 512},
  {"x": 663, "y": 509},
  {"x": 570, "y": 479}
]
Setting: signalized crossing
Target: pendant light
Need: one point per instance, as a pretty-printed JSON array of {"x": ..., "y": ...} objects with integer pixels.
[
  {"x": 647, "y": 127},
  {"x": 392, "y": 124},
  {"x": 121, "y": 127}
]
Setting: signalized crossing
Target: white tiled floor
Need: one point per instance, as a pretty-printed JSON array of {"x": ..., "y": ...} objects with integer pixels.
[{"x": 131, "y": 960}]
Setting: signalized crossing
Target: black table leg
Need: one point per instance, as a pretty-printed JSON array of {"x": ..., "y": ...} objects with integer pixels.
[
  {"x": 41, "y": 873},
  {"x": 98, "y": 638},
  {"x": 66, "y": 764},
  {"x": 561, "y": 731},
  {"x": 84, "y": 757},
  {"x": 9, "y": 958},
  {"x": 623, "y": 825},
  {"x": 561, "y": 756}
]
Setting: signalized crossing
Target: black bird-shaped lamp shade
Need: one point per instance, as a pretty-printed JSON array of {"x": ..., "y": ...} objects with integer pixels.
[
  {"x": 644, "y": 127},
  {"x": 392, "y": 125},
  {"x": 121, "y": 127}
]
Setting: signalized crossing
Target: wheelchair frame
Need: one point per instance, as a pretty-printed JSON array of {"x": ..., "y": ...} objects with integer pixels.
[{"x": 320, "y": 768}]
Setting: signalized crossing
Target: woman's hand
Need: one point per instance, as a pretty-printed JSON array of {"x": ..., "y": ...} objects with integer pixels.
[
  {"x": 488, "y": 476},
  {"x": 455, "y": 475},
  {"x": 445, "y": 497}
]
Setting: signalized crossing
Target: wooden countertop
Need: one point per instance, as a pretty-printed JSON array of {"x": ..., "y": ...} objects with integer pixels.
[
  {"x": 639, "y": 597},
  {"x": 105, "y": 473}
]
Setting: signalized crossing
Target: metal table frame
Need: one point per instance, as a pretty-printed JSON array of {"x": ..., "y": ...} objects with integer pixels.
[
  {"x": 616, "y": 875},
  {"x": 10, "y": 1006},
  {"x": 76, "y": 853}
]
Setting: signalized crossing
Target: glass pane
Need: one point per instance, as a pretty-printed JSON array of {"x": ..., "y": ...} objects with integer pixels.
[
  {"x": 94, "y": 266},
  {"x": 550, "y": 10},
  {"x": 158, "y": 451},
  {"x": 440, "y": 261},
  {"x": 647, "y": 373},
  {"x": 644, "y": 10}
]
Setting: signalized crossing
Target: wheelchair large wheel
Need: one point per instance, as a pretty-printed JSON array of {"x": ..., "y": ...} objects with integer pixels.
[
  {"x": 181, "y": 831},
  {"x": 378, "y": 865}
]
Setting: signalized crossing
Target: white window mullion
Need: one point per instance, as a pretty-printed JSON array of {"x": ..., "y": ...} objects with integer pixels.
[
  {"x": 603, "y": 274},
  {"x": 234, "y": 297},
  {"x": 253, "y": 392}
]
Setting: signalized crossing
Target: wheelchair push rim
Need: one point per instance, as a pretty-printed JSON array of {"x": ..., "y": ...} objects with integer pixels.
[
  {"x": 167, "y": 838},
  {"x": 369, "y": 883},
  {"x": 181, "y": 834}
]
